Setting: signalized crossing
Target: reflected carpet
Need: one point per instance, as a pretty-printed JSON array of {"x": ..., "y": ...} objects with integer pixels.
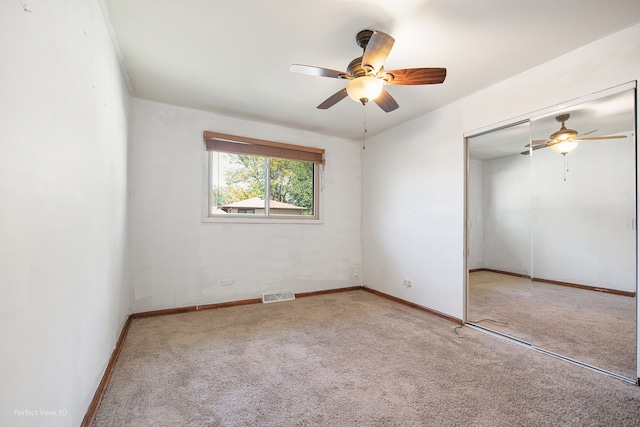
[{"x": 593, "y": 327}]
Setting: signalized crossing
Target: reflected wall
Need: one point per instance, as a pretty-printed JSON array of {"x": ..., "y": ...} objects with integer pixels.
[{"x": 551, "y": 237}]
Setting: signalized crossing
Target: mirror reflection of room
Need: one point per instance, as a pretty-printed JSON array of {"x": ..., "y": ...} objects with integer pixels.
[
  {"x": 499, "y": 232},
  {"x": 552, "y": 233}
]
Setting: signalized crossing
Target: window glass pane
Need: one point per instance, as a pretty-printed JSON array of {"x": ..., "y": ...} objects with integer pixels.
[
  {"x": 291, "y": 190},
  {"x": 237, "y": 184}
]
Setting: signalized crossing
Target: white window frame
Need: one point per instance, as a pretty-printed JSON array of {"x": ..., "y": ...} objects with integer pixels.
[{"x": 267, "y": 218}]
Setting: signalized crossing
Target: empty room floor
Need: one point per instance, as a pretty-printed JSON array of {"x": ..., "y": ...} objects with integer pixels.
[{"x": 344, "y": 359}]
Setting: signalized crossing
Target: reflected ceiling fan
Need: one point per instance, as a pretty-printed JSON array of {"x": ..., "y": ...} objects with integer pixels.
[
  {"x": 366, "y": 75},
  {"x": 565, "y": 140}
]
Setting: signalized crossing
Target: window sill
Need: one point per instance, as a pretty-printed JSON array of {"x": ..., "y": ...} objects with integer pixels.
[{"x": 259, "y": 220}]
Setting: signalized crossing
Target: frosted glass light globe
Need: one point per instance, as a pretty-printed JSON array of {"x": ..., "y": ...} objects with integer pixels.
[
  {"x": 565, "y": 146},
  {"x": 364, "y": 89}
]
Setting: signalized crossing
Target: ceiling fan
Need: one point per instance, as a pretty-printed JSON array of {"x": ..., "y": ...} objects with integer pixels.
[
  {"x": 565, "y": 140},
  {"x": 366, "y": 75}
]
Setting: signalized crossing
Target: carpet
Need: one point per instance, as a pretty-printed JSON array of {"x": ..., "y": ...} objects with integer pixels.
[
  {"x": 346, "y": 359},
  {"x": 593, "y": 327}
]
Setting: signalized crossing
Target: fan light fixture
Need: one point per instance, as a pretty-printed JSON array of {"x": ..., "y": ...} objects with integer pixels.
[
  {"x": 563, "y": 141},
  {"x": 366, "y": 75},
  {"x": 364, "y": 89},
  {"x": 565, "y": 146}
]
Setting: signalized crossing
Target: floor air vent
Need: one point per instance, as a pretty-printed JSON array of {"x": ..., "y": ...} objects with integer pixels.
[{"x": 276, "y": 296}]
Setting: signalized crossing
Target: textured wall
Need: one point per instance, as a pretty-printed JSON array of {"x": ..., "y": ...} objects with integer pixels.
[
  {"x": 177, "y": 260},
  {"x": 582, "y": 228},
  {"x": 416, "y": 228},
  {"x": 63, "y": 209},
  {"x": 475, "y": 209},
  {"x": 507, "y": 214}
]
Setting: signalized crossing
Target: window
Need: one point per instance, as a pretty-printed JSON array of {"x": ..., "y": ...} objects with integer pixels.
[{"x": 245, "y": 173}]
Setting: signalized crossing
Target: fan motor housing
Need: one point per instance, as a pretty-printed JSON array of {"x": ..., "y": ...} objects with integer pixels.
[
  {"x": 362, "y": 38},
  {"x": 355, "y": 68}
]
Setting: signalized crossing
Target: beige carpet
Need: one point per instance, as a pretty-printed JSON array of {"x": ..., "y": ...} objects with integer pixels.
[
  {"x": 592, "y": 327},
  {"x": 346, "y": 359}
]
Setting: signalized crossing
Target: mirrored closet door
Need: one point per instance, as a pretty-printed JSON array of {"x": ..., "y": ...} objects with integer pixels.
[
  {"x": 499, "y": 232},
  {"x": 551, "y": 238}
]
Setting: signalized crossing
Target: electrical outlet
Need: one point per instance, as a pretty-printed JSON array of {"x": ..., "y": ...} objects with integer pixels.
[{"x": 407, "y": 283}]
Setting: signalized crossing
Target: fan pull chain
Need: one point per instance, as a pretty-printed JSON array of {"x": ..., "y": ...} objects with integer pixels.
[
  {"x": 364, "y": 125},
  {"x": 566, "y": 166}
]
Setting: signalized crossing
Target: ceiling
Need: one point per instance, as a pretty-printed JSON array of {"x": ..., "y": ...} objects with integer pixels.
[
  {"x": 609, "y": 115},
  {"x": 232, "y": 57}
]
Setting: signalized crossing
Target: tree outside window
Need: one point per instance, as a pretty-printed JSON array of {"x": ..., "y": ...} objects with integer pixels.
[{"x": 239, "y": 185}]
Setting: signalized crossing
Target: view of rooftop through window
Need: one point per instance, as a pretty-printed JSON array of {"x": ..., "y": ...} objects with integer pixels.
[{"x": 239, "y": 185}]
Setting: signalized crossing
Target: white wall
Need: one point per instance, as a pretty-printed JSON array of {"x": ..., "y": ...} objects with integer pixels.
[
  {"x": 582, "y": 228},
  {"x": 63, "y": 208},
  {"x": 177, "y": 260},
  {"x": 475, "y": 210},
  {"x": 412, "y": 208},
  {"x": 417, "y": 229},
  {"x": 507, "y": 214},
  {"x": 579, "y": 229}
]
